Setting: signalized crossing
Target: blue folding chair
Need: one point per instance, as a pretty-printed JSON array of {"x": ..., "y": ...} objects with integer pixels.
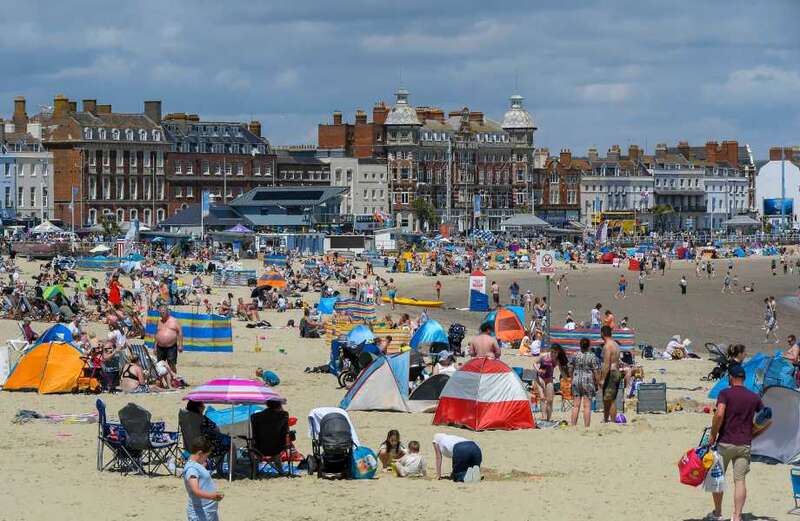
[
  {"x": 794, "y": 473},
  {"x": 110, "y": 437}
]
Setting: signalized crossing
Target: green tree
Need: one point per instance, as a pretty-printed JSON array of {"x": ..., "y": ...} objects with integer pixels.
[
  {"x": 425, "y": 212},
  {"x": 660, "y": 211},
  {"x": 110, "y": 225}
]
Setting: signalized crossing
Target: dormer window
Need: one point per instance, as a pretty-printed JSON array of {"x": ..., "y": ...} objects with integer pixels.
[
  {"x": 87, "y": 133},
  {"x": 129, "y": 134},
  {"x": 102, "y": 132},
  {"x": 142, "y": 134},
  {"x": 156, "y": 135},
  {"x": 115, "y": 134}
]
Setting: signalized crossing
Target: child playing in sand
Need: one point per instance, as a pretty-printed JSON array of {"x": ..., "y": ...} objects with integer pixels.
[{"x": 412, "y": 464}]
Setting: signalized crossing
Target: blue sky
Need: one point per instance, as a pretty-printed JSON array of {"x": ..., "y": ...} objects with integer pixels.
[{"x": 636, "y": 72}]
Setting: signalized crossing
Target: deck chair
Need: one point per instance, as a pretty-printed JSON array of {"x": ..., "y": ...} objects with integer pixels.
[
  {"x": 110, "y": 438},
  {"x": 147, "y": 444},
  {"x": 270, "y": 441},
  {"x": 567, "y": 400},
  {"x": 191, "y": 427},
  {"x": 146, "y": 361},
  {"x": 20, "y": 344},
  {"x": 794, "y": 474}
]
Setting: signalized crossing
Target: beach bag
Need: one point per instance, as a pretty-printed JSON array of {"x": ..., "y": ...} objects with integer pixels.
[
  {"x": 691, "y": 469},
  {"x": 364, "y": 464},
  {"x": 715, "y": 477}
]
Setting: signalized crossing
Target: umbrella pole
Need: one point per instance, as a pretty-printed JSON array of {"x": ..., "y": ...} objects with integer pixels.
[{"x": 230, "y": 458}]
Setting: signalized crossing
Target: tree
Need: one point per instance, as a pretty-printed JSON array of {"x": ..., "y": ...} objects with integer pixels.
[
  {"x": 110, "y": 226},
  {"x": 660, "y": 211},
  {"x": 425, "y": 212}
]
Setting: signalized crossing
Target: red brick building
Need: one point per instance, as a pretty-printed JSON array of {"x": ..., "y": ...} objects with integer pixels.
[{"x": 360, "y": 139}]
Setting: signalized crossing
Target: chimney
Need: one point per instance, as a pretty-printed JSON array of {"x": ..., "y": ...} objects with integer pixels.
[
  {"x": 565, "y": 158},
  {"x": 781, "y": 154},
  {"x": 684, "y": 149},
  {"x": 60, "y": 106},
  {"x": 661, "y": 150},
  {"x": 379, "y": 113},
  {"x": 633, "y": 152},
  {"x": 711, "y": 151},
  {"x": 104, "y": 109},
  {"x": 152, "y": 109},
  {"x": 20, "y": 116},
  {"x": 73, "y": 107},
  {"x": 90, "y": 106},
  {"x": 731, "y": 151},
  {"x": 613, "y": 153},
  {"x": 337, "y": 117},
  {"x": 361, "y": 117},
  {"x": 255, "y": 127},
  {"x": 592, "y": 153}
]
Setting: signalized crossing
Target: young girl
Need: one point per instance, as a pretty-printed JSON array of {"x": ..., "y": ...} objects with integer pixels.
[
  {"x": 546, "y": 372},
  {"x": 202, "y": 492},
  {"x": 391, "y": 449}
]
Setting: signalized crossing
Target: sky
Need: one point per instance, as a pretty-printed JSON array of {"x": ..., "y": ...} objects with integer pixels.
[{"x": 592, "y": 73}]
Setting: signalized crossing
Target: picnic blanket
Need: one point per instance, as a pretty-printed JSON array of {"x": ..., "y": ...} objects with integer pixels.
[
  {"x": 207, "y": 333},
  {"x": 570, "y": 338},
  {"x": 99, "y": 263}
]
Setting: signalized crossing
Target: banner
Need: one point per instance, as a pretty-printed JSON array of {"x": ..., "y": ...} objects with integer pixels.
[
  {"x": 476, "y": 206},
  {"x": 478, "y": 299},
  {"x": 205, "y": 203},
  {"x": 207, "y": 333}
]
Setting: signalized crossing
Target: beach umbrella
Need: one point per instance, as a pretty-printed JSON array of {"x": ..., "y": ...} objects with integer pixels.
[
  {"x": 271, "y": 279},
  {"x": 46, "y": 227},
  {"x": 51, "y": 291},
  {"x": 233, "y": 391},
  {"x": 84, "y": 282}
]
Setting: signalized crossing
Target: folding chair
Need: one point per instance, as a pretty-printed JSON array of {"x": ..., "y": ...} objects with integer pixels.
[
  {"x": 271, "y": 441},
  {"x": 794, "y": 473},
  {"x": 191, "y": 428},
  {"x": 146, "y": 361},
  {"x": 148, "y": 445},
  {"x": 21, "y": 344},
  {"x": 565, "y": 388},
  {"x": 111, "y": 437}
]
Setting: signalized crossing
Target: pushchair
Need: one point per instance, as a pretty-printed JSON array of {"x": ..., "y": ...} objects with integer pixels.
[
  {"x": 352, "y": 360},
  {"x": 455, "y": 335},
  {"x": 718, "y": 356},
  {"x": 332, "y": 441}
]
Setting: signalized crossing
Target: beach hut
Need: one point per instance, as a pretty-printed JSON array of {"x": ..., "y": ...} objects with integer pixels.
[
  {"x": 382, "y": 386},
  {"x": 429, "y": 336},
  {"x": 484, "y": 394}
]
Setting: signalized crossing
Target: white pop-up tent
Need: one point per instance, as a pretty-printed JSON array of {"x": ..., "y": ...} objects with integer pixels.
[{"x": 781, "y": 441}]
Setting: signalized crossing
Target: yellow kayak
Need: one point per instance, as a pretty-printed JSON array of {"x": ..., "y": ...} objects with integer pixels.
[{"x": 408, "y": 301}]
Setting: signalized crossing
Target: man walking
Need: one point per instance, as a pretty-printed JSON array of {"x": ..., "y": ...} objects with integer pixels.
[
  {"x": 513, "y": 291},
  {"x": 732, "y": 431},
  {"x": 495, "y": 293},
  {"x": 610, "y": 376}
]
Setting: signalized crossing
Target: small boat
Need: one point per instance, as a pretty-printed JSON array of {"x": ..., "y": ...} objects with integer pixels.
[{"x": 410, "y": 301}]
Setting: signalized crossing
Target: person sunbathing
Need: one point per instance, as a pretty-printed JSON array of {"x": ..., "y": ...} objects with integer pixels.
[{"x": 133, "y": 379}]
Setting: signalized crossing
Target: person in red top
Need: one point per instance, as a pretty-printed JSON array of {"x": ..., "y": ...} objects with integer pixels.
[
  {"x": 732, "y": 431},
  {"x": 114, "y": 294}
]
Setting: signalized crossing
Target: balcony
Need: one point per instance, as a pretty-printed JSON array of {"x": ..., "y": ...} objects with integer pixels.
[{"x": 679, "y": 190}]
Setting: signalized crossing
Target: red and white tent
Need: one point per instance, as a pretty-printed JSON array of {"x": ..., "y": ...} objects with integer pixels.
[{"x": 485, "y": 394}]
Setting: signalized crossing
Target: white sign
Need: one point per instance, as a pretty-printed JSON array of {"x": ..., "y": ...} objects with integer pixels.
[{"x": 546, "y": 262}]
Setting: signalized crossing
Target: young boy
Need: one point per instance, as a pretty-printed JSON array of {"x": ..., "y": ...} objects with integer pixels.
[
  {"x": 412, "y": 464},
  {"x": 202, "y": 492}
]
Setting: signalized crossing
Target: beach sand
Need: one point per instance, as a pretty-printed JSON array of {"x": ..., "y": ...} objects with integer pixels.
[{"x": 622, "y": 472}]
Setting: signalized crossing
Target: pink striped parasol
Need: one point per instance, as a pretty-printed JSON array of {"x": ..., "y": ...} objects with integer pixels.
[{"x": 233, "y": 391}]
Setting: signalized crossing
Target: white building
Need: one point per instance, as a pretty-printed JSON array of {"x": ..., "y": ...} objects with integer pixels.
[
  {"x": 26, "y": 173},
  {"x": 779, "y": 179},
  {"x": 368, "y": 183}
]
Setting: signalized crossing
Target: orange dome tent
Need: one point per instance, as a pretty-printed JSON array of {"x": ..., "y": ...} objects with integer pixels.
[
  {"x": 506, "y": 325},
  {"x": 48, "y": 368}
]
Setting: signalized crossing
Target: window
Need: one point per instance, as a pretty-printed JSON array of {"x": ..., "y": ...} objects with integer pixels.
[
  {"x": 189, "y": 192},
  {"x": 33, "y": 196},
  {"x": 92, "y": 216},
  {"x": 160, "y": 189},
  {"x": 7, "y": 199},
  {"x": 146, "y": 216},
  {"x": 206, "y": 168},
  {"x": 132, "y": 189},
  {"x": 156, "y": 135},
  {"x": 133, "y": 213},
  {"x": 87, "y": 133},
  {"x": 159, "y": 160},
  {"x": 373, "y": 193},
  {"x": 120, "y": 215},
  {"x": 142, "y": 134},
  {"x": 102, "y": 133},
  {"x": 179, "y": 192},
  {"x": 129, "y": 134},
  {"x": 349, "y": 175},
  {"x": 146, "y": 161},
  {"x": 178, "y": 167},
  {"x": 239, "y": 168},
  {"x": 217, "y": 169},
  {"x": 115, "y": 134},
  {"x": 132, "y": 157},
  {"x": 92, "y": 188},
  {"x": 189, "y": 168},
  {"x": 160, "y": 214},
  {"x": 572, "y": 197},
  {"x": 20, "y": 197},
  {"x": 106, "y": 158},
  {"x": 106, "y": 188},
  {"x": 120, "y": 189},
  {"x": 120, "y": 158},
  {"x": 554, "y": 195},
  {"x": 404, "y": 198},
  {"x": 228, "y": 169},
  {"x": 257, "y": 169},
  {"x": 147, "y": 189}
]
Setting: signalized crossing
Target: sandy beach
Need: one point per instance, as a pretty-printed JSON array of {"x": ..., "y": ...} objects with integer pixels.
[{"x": 622, "y": 472}]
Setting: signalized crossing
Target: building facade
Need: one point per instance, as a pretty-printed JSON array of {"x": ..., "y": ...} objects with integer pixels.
[
  {"x": 300, "y": 166},
  {"x": 108, "y": 166},
  {"x": 474, "y": 171},
  {"x": 367, "y": 180},
  {"x": 777, "y": 186},
  {"x": 558, "y": 188},
  {"x": 26, "y": 168},
  {"x": 361, "y": 139},
  {"x": 224, "y": 159}
]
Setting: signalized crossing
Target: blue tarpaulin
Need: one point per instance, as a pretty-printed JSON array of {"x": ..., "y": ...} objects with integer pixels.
[
  {"x": 753, "y": 368},
  {"x": 429, "y": 333},
  {"x": 326, "y": 305}
]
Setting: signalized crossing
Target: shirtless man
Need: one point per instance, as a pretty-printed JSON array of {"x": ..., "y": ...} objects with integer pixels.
[
  {"x": 610, "y": 375},
  {"x": 169, "y": 338},
  {"x": 484, "y": 344}
]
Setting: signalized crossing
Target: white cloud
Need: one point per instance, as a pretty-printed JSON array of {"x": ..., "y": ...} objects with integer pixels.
[
  {"x": 105, "y": 67},
  {"x": 604, "y": 92},
  {"x": 763, "y": 85},
  {"x": 234, "y": 79},
  {"x": 287, "y": 78}
]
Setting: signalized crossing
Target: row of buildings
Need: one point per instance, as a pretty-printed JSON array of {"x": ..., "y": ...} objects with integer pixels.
[{"x": 85, "y": 165}]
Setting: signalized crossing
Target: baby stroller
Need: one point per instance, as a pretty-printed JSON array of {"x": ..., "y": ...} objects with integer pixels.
[
  {"x": 718, "y": 356},
  {"x": 332, "y": 440},
  {"x": 455, "y": 335},
  {"x": 352, "y": 360}
]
